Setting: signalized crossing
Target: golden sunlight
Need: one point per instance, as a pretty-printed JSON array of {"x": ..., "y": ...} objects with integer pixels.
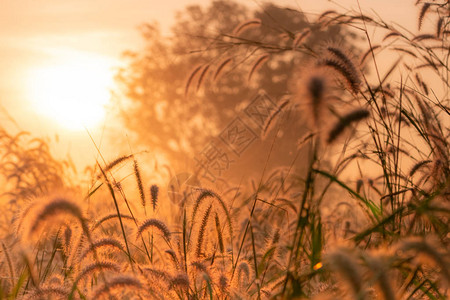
[{"x": 73, "y": 92}]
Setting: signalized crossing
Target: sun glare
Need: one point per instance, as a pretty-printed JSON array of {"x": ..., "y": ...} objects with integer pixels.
[{"x": 74, "y": 92}]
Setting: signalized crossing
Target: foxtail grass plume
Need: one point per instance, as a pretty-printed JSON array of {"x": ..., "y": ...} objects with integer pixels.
[
  {"x": 345, "y": 121},
  {"x": 202, "y": 77},
  {"x": 160, "y": 274},
  {"x": 67, "y": 239},
  {"x": 110, "y": 243},
  {"x": 344, "y": 262},
  {"x": 157, "y": 280},
  {"x": 48, "y": 292},
  {"x": 439, "y": 26},
  {"x": 314, "y": 89},
  {"x": 180, "y": 280},
  {"x": 428, "y": 248},
  {"x": 423, "y": 12},
  {"x": 326, "y": 14},
  {"x": 221, "y": 67},
  {"x": 300, "y": 37},
  {"x": 272, "y": 117},
  {"x": 9, "y": 261},
  {"x": 154, "y": 190},
  {"x": 369, "y": 52},
  {"x": 202, "y": 268},
  {"x": 109, "y": 217},
  {"x": 140, "y": 186},
  {"x": 96, "y": 266},
  {"x": 418, "y": 166},
  {"x": 391, "y": 35},
  {"x": 378, "y": 264},
  {"x": 173, "y": 258},
  {"x": 204, "y": 194},
  {"x": 243, "y": 274},
  {"x": 223, "y": 283},
  {"x": 128, "y": 282},
  {"x": 337, "y": 60},
  {"x": 258, "y": 63},
  {"x": 53, "y": 211},
  {"x": 201, "y": 232},
  {"x": 155, "y": 223},
  {"x": 55, "y": 280},
  {"x": 246, "y": 25},
  {"x": 219, "y": 233},
  {"x": 114, "y": 163},
  {"x": 190, "y": 79}
]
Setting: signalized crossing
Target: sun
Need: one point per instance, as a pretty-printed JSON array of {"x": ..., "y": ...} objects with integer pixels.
[{"x": 72, "y": 92}]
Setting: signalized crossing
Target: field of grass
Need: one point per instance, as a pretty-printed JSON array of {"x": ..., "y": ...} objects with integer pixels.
[{"x": 369, "y": 219}]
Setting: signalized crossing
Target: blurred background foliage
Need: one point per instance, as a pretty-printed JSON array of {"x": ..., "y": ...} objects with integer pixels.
[{"x": 160, "y": 115}]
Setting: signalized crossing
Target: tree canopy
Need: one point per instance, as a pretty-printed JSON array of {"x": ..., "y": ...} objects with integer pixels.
[{"x": 182, "y": 91}]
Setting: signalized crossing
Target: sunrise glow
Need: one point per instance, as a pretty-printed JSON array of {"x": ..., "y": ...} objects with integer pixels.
[
  {"x": 225, "y": 149},
  {"x": 73, "y": 93}
]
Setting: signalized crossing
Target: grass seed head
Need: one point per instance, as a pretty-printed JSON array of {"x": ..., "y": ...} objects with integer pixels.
[
  {"x": 154, "y": 190},
  {"x": 313, "y": 95},
  {"x": 110, "y": 243},
  {"x": 242, "y": 27},
  {"x": 344, "y": 262},
  {"x": 158, "y": 224},
  {"x": 344, "y": 122},
  {"x": 97, "y": 266},
  {"x": 180, "y": 280},
  {"x": 128, "y": 282},
  {"x": 53, "y": 211}
]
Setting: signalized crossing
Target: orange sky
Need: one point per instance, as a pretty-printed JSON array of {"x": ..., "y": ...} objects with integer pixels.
[{"x": 37, "y": 37}]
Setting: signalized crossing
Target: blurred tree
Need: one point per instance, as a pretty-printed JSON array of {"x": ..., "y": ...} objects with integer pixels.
[
  {"x": 28, "y": 169},
  {"x": 220, "y": 52}
]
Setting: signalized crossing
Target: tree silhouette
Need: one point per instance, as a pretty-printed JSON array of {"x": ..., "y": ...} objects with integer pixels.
[{"x": 181, "y": 92}]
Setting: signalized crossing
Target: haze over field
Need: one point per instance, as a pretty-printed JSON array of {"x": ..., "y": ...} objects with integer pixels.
[
  {"x": 59, "y": 57},
  {"x": 224, "y": 150}
]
